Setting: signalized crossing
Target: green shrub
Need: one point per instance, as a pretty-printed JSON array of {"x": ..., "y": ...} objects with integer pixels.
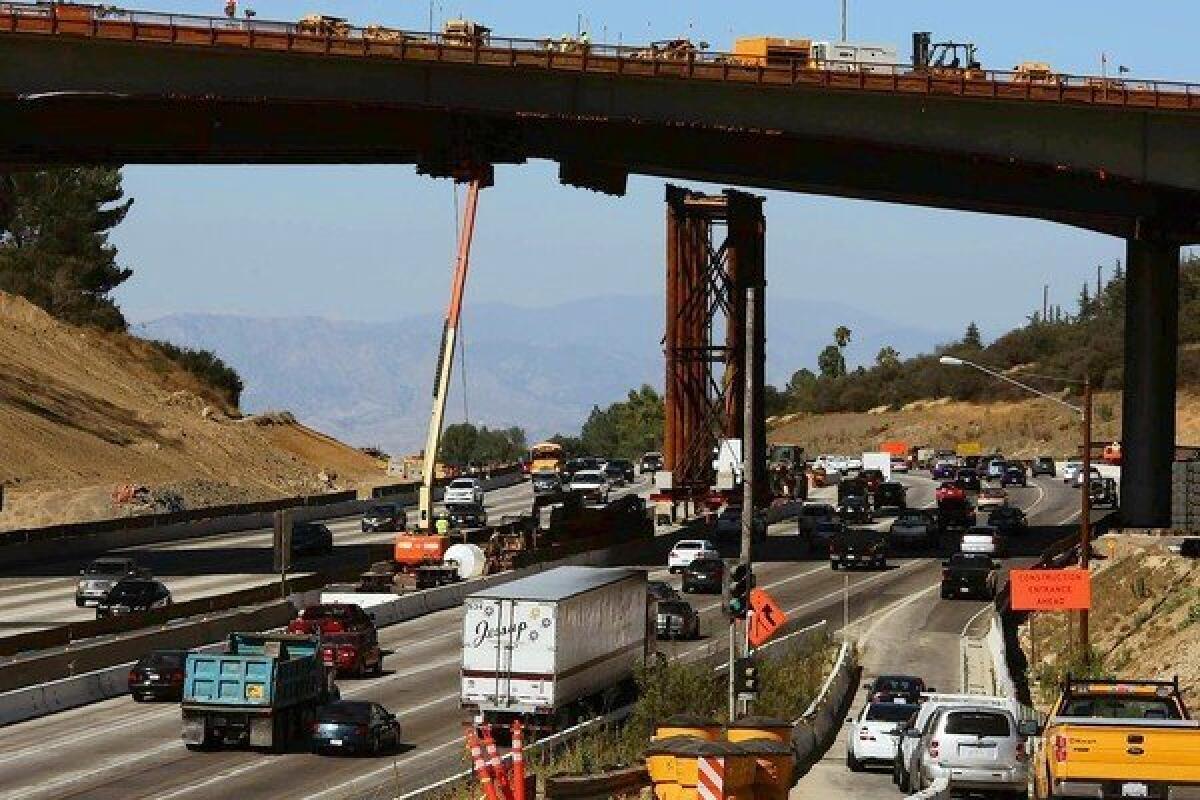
[{"x": 207, "y": 367}]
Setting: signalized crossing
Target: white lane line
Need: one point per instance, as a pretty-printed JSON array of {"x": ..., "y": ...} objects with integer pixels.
[
  {"x": 889, "y": 610},
  {"x": 971, "y": 621},
  {"x": 368, "y": 776},
  {"x": 56, "y": 784}
]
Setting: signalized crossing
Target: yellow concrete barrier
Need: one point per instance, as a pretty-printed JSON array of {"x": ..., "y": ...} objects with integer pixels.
[{"x": 674, "y": 767}]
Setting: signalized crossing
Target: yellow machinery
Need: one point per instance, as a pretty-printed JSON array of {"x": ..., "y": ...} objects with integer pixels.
[
  {"x": 1037, "y": 72},
  {"x": 321, "y": 25},
  {"x": 773, "y": 51}
]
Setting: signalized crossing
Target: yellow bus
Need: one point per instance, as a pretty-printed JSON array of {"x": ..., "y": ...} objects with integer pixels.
[{"x": 546, "y": 457}]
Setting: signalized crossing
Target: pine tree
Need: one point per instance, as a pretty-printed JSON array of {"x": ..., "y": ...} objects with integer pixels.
[
  {"x": 972, "y": 337},
  {"x": 54, "y": 245}
]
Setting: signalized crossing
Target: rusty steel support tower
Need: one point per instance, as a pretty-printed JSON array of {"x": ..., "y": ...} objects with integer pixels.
[{"x": 707, "y": 278}]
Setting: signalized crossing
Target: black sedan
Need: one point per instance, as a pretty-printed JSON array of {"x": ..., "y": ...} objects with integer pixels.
[
  {"x": 158, "y": 675},
  {"x": 855, "y": 509},
  {"x": 311, "y": 538},
  {"x": 132, "y": 595},
  {"x": 623, "y": 464},
  {"x": 546, "y": 483},
  {"x": 677, "y": 619},
  {"x": 1014, "y": 475},
  {"x": 896, "y": 689},
  {"x": 704, "y": 576},
  {"x": 967, "y": 480},
  {"x": 386, "y": 517},
  {"x": 466, "y": 515},
  {"x": 891, "y": 494},
  {"x": 1009, "y": 520},
  {"x": 355, "y": 727}
]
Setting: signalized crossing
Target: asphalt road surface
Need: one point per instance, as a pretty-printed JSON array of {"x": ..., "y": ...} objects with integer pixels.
[{"x": 120, "y": 749}]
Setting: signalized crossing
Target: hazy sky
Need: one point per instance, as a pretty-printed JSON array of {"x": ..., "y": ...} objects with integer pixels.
[{"x": 377, "y": 242}]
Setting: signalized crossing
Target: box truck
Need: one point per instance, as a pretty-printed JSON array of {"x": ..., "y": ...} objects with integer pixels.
[
  {"x": 880, "y": 461},
  {"x": 555, "y": 647}
]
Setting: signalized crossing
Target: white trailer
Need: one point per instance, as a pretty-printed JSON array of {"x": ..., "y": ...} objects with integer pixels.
[
  {"x": 854, "y": 57},
  {"x": 547, "y": 647},
  {"x": 879, "y": 461}
]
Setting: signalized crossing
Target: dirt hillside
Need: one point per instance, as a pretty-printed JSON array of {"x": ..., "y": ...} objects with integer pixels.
[
  {"x": 1021, "y": 429},
  {"x": 83, "y": 412}
]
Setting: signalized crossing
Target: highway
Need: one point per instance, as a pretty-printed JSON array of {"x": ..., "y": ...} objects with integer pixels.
[
  {"x": 43, "y": 595},
  {"x": 119, "y": 749},
  {"x": 921, "y": 636}
]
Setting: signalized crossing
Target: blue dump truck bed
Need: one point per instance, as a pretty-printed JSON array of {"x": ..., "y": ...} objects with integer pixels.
[{"x": 263, "y": 691}]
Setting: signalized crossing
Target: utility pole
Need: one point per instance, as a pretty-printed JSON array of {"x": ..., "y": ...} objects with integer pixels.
[
  {"x": 1045, "y": 302},
  {"x": 1085, "y": 523},
  {"x": 844, "y": 20},
  {"x": 749, "y": 478}
]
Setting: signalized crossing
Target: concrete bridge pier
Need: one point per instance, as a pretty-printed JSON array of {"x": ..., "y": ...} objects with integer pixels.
[{"x": 1151, "y": 350}]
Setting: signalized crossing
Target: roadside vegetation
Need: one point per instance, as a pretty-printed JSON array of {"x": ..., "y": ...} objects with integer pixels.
[
  {"x": 463, "y": 443},
  {"x": 1145, "y": 622},
  {"x": 55, "y": 252},
  {"x": 624, "y": 429}
]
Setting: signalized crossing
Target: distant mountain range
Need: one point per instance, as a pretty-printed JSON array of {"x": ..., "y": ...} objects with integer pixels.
[{"x": 369, "y": 383}]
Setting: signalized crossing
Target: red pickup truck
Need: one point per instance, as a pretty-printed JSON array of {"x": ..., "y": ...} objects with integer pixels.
[
  {"x": 332, "y": 618},
  {"x": 349, "y": 641},
  {"x": 949, "y": 491}
]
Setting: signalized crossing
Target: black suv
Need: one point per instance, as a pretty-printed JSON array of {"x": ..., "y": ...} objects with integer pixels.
[
  {"x": 546, "y": 483},
  {"x": 623, "y": 464},
  {"x": 967, "y": 480},
  {"x": 311, "y": 538},
  {"x": 1009, "y": 520},
  {"x": 387, "y": 517},
  {"x": 158, "y": 675},
  {"x": 1014, "y": 475},
  {"x": 704, "y": 575},
  {"x": 132, "y": 595},
  {"x": 855, "y": 509}
]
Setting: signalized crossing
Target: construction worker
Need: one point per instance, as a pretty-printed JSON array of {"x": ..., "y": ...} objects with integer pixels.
[{"x": 231, "y": 8}]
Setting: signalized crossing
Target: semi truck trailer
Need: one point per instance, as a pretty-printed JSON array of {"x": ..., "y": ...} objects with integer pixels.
[{"x": 555, "y": 647}]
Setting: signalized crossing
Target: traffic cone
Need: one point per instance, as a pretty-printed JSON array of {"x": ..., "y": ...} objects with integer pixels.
[
  {"x": 481, "y": 767},
  {"x": 518, "y": 760},
  {"x": 499, "y": 775}
]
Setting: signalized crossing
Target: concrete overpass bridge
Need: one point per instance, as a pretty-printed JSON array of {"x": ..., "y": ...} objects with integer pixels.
[{"x": 1120, "y": 158}]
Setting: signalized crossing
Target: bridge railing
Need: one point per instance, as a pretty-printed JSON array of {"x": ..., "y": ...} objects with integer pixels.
[{"x": 678, "y": 59}]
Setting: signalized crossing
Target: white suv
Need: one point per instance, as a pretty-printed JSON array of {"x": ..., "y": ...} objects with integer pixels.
[
  {"x": 685, "y": 552},
  {"x": 976, "y": 748},
  {"x": 908, "y": 755},
  {"x": 464, "y": 491}
]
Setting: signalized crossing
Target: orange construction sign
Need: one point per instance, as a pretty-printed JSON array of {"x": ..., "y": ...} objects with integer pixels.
[
  {"x": 767, "y": 618},
  {"x": 1050, "y": 589}
]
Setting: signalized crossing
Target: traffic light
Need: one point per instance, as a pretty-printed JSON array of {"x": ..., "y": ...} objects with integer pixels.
[
  {"x": 745, "y": 676},
  {"x": 741, "y": 581}
]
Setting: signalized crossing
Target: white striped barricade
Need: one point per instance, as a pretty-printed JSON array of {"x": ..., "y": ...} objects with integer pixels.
[{"x": 710, "y": 783}]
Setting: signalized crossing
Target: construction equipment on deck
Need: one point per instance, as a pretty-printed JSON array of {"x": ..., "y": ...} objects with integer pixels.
[
  {"x": 465, "y": 33},
  {"x": 950, "y": 59},
  {"x": 322, "y": 25}
]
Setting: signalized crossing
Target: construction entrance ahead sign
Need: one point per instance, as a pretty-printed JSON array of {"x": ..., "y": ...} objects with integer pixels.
[{"x": 1050, "y": 589}]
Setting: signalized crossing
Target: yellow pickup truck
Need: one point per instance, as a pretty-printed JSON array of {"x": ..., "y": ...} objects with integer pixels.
[{"x": 1119, "y": 739}]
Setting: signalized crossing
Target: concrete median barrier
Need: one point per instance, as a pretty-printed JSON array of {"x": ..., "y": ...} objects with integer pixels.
[{"x": 818, "y": 726}]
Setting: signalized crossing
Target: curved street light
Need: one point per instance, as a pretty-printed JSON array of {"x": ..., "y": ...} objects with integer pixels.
[{"x": 1085, "y": 520}]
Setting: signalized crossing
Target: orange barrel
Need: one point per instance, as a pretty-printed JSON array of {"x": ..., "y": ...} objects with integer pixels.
[{"x": 692, "y": 725}]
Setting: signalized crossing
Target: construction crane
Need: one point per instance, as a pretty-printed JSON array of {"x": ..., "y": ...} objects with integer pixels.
[{"x": 446, "y": 354}]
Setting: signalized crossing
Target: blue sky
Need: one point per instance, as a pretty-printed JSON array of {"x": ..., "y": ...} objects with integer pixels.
[{"x": 377, "y": 242}]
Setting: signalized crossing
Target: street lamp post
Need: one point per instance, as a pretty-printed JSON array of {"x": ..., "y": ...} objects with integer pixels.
[{"x": 1085, "y": 522}]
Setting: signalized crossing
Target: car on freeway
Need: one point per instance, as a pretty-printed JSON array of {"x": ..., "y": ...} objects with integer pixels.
[
  {"x": 592, "y": 485},
  {"x": 1070, "y": 470},
  {"x": 975, "y": 749},
  {"x": 729, "y": 523},
  {"x": 158, "y": 675},
  {"x": 1104, "y": 493},
  {"x": 811, "y": 515},
  {"x": 899, "y": 465},
  {"x": 1190, "y": 547},
  {"x": 897, "y": 689},
  {"x": 388, "y": 517},
  {"x": 355, "y": 726},
  {"x": 991, "y": 497},
  {"x": 661, "y": 591},
  {"x": 969, "y": 575},
  {"x": 982, "y": 539},
  {"x": 853, "y": 464},
  {"x": 464, "y": 490},
  {"x": 858, "y": 547},
  {"x": 466, "y": 515},
  {"x": 944, "y": 470},
  {"x": 827, "y": 529},
  {"x": 688, "y": 550},
  {"x": 855, "y": 508},
  {"x": 614, "y": 474},
  {"x": 908, "y": 754},
  {"x": 872, "y": 477},
  {"x": 311, "y": 538},
  {"x": 1014, "y": 475},
  {"x": 132, "y": 595},
  {"x": 891, "y": 494},
  {"x": 1043, "y": 465},
  {"x": 1009, "y": 520},
  {"x": 546, "y": 483},
  {"x": 872, "y": 739},
  {"x": 704, "y": 576},
  {"x": 355, "y": 653},
  {"x": 676, "y": 619},
  {"x": 912, "y": 528},
  {"x": 651, "y": 462},
  {"x": 949, "y": 491},
  {"x": 98, "y": 578},
  {"x": 626, "y": 467},
  {"x": 325, "y": 618},
  {"x": 1077, "y": 478},
  {"x": 967, "y": 480}
]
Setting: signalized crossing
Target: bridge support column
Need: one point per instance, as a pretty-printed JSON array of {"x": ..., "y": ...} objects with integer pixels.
[{"x": 1148, "y": 412}]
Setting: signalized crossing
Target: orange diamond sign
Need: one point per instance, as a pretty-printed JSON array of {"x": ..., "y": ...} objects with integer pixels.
[{"x": 767, "y": 618}]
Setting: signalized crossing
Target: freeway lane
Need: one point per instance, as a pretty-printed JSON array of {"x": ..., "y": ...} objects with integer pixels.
[
  {"x": 43, "y": 595},
  {"x": 922, "y": 638}
]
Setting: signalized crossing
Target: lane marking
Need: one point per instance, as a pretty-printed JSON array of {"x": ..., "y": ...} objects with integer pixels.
[{"x": 974, "y": 617}]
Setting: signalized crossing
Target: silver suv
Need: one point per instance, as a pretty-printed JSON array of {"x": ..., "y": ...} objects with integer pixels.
[
  {"x": 975, "y": 748},
  {"x": 98, "y": 578}
]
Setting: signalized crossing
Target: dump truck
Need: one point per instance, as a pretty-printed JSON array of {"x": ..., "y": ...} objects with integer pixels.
[
  {"x": 1105, "y": 738},
  {"x": 555, "y": 647},
  {"x": 262, "y": 692}
]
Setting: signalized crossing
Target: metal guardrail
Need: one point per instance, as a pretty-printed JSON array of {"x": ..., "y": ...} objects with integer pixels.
[{"x": 104, "y": 22}]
